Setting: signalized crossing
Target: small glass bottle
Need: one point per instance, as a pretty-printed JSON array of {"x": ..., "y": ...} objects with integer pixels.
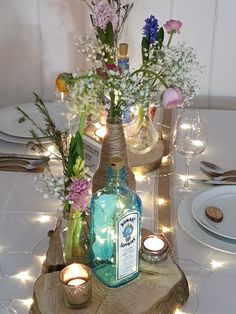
[
  {"x": 123, "y": 59},
  {"x": 115, "y": 225}
]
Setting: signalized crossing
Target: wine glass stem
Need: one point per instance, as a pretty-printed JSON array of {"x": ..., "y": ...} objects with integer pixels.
[{"x": 186, "y": 182}]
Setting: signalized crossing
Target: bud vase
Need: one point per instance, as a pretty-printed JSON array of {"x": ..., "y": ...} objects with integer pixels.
[
  {"x": 113, "y": 145},
  {"x": 75, "y": 238},
  {"x": 141, "y": 135}
]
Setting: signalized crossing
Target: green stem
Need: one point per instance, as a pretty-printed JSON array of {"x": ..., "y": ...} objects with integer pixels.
[
  {"x": 138, "y": 122},
  {"x": 140, "y": 114},
  {"x": 73, "y": 232},
  {"x": 152, "y": 74},
  {"x": 112, "y": 109},
  {"x": 170, "y": 38},
  {"x": 82, "y": 121}
]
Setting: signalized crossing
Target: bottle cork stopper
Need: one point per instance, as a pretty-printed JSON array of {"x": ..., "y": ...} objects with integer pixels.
[
  {"x": 123, "y": 49},
  {"x": 116, "y": 162}
]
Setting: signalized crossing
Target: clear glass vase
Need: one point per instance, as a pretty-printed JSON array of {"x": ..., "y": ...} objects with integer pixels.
[
  {"x": 75, "y": 238},
  {"x": 141, "y": 135}
]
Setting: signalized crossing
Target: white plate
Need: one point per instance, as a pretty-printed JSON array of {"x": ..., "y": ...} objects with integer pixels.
[
  {"x": 223, "y": 197},
  {"x": 197, "y": 232},
  {"x": 9, "y": 119},
  {"x": 20, "y": 140}
]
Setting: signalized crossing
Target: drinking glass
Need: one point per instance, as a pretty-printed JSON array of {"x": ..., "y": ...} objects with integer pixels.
[{"x": 189, "y": 139}]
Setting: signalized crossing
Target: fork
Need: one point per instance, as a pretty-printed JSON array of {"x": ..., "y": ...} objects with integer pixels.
[{"x": 222, "y": 178}]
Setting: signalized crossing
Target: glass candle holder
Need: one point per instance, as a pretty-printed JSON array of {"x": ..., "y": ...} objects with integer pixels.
[
  {"x": 154, "y": 248},
  {"x": 76, "y": 282}
]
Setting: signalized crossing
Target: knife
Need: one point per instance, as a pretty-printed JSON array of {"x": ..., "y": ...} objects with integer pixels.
[{"x": 214, "y": 182}]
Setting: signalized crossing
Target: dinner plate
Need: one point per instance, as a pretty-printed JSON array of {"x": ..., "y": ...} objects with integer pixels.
[
  {"x": 223, "y": 197},
  {"x": 197, "y": 232},
  {"x": 10, "y": 119},
  {"x": 20, "y": 140}
]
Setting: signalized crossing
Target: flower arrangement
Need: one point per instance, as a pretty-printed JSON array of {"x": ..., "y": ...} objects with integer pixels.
[
  {"x": 167, "y": 71},
  {"x": 71, "y": 187}
]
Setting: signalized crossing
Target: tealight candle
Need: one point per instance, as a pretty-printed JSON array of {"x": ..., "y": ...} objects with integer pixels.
[
  {"x": 76, "y": 282},
  {"x": 101, "y": 132},
  {"x": 154, "y": 248},
  {"x": 154, "y": 244}
]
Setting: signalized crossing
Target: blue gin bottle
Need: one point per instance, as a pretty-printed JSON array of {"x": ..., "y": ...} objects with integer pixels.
[{"x": 115, "y": 225}]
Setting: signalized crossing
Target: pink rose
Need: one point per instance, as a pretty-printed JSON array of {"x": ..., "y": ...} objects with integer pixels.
[
  {"x": 173, "y": 26},
  {"x": 172, "y": 97}
]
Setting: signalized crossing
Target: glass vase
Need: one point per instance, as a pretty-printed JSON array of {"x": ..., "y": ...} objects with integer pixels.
[
  {"x": 75, "y": 238},
  {"x": 141, "y": 135}
]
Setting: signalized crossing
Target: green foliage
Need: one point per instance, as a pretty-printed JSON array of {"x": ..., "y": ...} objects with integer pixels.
[
  {"x": 75, "y": 150},
  {"x": 145, "y": 49},
  {"x": 160, "y": 37}
]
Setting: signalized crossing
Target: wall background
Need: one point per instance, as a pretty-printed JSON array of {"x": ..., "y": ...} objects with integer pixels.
[{"x": 36, "y": 43}]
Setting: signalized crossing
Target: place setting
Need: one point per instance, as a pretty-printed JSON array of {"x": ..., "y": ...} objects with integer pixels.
[
  {"x": 209, "y": 215},
  {"x": 17, "y": 128}
]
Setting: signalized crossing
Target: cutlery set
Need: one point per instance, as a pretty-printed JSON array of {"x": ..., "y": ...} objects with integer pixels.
[{"x": 217, "y": 175}]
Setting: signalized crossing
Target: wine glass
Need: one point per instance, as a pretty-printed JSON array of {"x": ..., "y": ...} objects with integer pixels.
[{"x": 189, "y": 139}]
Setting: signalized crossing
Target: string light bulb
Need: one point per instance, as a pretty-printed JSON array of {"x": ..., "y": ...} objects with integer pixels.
[
  {"x": 23, "y": 276},
  {"x": 26, "y": 302},
  {"x": 216, "y": 264},
  {"x": 43, "y": 218}
]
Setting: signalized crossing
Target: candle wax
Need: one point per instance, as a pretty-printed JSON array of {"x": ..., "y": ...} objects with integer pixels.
[
  {"x": 76, "y": 282},
  {"x": 154, "y": 244}
]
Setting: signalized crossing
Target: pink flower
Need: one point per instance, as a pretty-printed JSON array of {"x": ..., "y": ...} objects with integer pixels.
[
  {"x": 173, "y": 26},
  {"x": 172, "y": 97},
  {"x": 103, "y": 14},
  {"x": 78, "y": 194}
]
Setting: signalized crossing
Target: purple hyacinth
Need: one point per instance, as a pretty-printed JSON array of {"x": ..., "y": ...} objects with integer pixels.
[
  {"x": 78, "y": 193},
  {"x": 150, "y": 29}
]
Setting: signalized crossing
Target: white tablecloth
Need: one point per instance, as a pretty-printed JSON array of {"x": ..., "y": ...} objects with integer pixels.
[{"x": 26, "y": 217}]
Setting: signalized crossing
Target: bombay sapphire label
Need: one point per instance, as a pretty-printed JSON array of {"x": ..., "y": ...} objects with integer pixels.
[{"x": 127, "y": 246}]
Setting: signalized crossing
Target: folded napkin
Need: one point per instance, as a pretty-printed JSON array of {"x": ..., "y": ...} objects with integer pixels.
[
  {"x": 20, "y": 169},
  {"x": 7, "y": 166}
]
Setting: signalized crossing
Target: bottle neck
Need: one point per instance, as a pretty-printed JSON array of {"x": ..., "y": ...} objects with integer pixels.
[{"x": 116, "y": 177}]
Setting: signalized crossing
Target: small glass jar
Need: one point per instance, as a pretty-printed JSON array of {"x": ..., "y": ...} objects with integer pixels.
[
  {"x": 154, "y": 248},
  {"x": 75, "y": 238}
]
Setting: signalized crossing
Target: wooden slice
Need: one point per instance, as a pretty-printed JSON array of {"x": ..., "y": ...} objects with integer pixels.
[
  {"x": 160, "y": 288},
  {"x": 214, "y": 213}
]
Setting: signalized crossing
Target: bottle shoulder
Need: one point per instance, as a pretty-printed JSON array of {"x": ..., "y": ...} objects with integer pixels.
[{"x": 121, "y": 191}]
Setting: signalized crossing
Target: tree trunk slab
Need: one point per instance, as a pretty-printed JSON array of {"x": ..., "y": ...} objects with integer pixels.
[{"x": 160, "y": 289}]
